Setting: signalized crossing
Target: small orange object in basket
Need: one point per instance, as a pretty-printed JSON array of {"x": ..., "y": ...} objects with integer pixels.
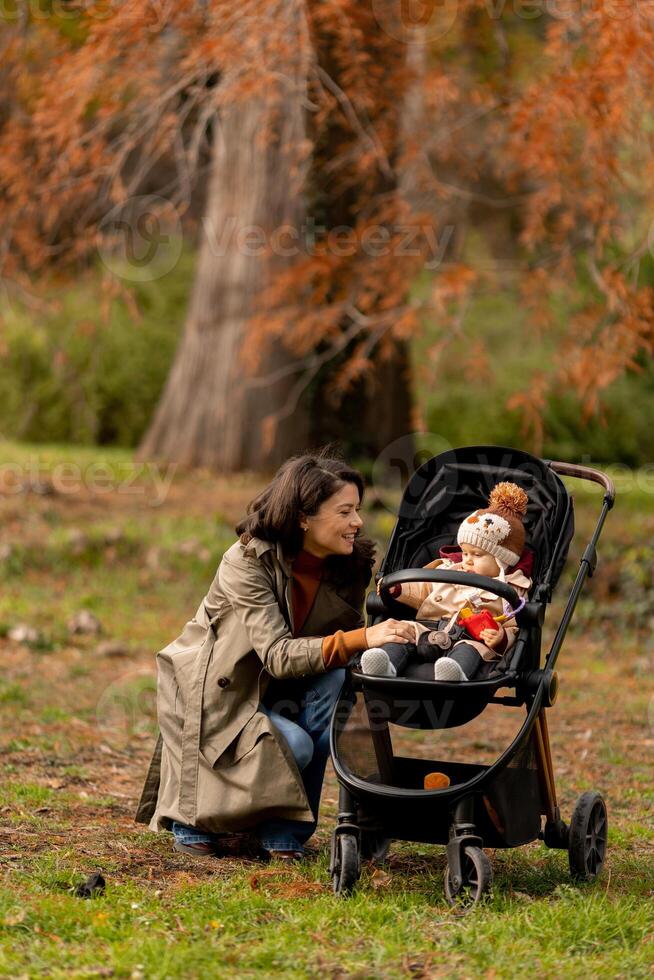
[{"x": 436, "y": 780}]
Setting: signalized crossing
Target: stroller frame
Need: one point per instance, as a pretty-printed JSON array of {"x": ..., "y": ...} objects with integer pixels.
[{"x": 499, "y": 805}]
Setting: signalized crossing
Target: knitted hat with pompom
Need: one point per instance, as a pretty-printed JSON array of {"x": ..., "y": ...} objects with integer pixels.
[{"x": 498, "y": 529}]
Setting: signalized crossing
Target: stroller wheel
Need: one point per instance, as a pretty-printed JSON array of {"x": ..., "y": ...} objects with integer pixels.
[
  {"x": 588, "y": 835},
  {"x": 345, "y": 866},
  {"x": 477, "y": 879}
]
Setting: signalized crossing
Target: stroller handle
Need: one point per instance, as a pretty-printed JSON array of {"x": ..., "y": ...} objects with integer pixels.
[
  {"x": 501, "y": 589},
  {"x": 586, "y": 473}
]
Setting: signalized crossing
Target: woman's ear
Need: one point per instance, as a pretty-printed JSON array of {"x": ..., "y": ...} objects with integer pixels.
[{"x": 304, "y": 524}]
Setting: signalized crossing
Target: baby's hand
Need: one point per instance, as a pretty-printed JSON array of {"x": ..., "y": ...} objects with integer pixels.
[{"x": 492, "y": 638}]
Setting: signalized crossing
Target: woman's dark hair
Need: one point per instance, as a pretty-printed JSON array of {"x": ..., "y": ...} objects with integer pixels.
[{"x": 300, "y": 486}]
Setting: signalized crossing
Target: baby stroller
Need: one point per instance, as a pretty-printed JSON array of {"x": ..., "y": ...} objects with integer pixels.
[{"x": 499, "y": 805}]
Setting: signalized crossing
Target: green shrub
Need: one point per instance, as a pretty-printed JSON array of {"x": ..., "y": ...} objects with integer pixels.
[
  {"x": 71, "y": 376},
  {"x": 469, "y": 410}
]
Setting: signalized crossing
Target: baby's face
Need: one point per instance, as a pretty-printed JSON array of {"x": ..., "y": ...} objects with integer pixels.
[{"x": 478, "y": 561}]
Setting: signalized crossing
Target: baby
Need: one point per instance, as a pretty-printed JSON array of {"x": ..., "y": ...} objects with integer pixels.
[{"x": 492, "y": 542}]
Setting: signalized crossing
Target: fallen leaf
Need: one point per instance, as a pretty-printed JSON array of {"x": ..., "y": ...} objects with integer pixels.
[
  {"x": 380, "y": 879},
  {"x": 15, "y": 918}
]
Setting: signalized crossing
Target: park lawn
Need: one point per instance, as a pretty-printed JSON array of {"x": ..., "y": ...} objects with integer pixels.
[{"x": 77, "y": 722}]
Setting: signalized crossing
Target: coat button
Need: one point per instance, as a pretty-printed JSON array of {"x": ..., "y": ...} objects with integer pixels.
[{"x": 223, "y": 682}]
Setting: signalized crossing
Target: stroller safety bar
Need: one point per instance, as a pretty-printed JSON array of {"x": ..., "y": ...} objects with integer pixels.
[{"x": 501, "y": 589}]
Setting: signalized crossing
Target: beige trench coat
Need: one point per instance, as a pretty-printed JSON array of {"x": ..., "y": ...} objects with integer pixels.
[
  {"x": 219, "y": 763},
  {"x": 440, "y": 600}
]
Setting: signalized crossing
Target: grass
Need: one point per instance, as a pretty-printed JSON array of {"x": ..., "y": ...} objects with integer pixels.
[
  {"x": 78, "y": 725},
  {"x": 242, "y": 924}
]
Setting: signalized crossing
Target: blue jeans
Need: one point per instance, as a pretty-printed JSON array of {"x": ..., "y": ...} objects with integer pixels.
[
  {"x": 308, "y": 740},
  {"x": 307, "y": 736}
]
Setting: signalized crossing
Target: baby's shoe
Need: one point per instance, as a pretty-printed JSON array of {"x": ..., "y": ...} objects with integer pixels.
[
  {"x": 447, "y": 669},
  {"x": 376, "y": 661}
]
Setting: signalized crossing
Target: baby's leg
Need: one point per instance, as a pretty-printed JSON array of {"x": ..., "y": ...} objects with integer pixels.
[
  {"x": 399, "y": 654},
  {"x": 468, "y": 659},
  {"x": 461, "y": 664},
  {"x": 388, "y": 660}
]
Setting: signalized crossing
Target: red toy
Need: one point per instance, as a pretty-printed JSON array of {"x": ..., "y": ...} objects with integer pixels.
[{"x": 477, "y": 623}]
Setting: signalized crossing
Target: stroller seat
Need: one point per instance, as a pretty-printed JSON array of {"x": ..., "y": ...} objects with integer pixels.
[{"x": 430, "y": 704}]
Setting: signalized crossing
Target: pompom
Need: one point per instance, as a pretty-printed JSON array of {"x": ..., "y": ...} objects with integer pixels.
[{"x": 510, "y": 498}]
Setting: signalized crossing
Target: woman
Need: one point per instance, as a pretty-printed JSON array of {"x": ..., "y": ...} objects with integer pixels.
[{"x": 246, "y": 692}]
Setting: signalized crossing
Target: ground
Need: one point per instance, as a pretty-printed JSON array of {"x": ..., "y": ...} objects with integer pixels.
[{"x": 102, "y": 563}]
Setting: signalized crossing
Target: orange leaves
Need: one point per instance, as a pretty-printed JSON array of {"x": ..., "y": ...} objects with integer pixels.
[
  {"x": 451, "y": 286},
  {"x": 406, "y": 325},
  {"x": 603, "y": 340},
  {"x": 345, "y": 377},
  {"x": 476, "y": 366},
  {"x": 531, "y": 404},
  {"x": 82, "y": 110},
  {"x": 571, "y": 127}
]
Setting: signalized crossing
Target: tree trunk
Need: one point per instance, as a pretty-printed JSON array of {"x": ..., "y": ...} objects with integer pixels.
[
  {"x": 211, "y": 412},
  {"x": 378, "y": 409}
]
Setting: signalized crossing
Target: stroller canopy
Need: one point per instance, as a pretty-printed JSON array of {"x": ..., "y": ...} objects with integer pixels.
[{"x": 451, "y": 485}]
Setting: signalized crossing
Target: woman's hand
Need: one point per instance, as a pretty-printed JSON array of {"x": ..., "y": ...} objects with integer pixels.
[
  {"x": 492, "y": 638},
  {"x": 390, "y": 631}
]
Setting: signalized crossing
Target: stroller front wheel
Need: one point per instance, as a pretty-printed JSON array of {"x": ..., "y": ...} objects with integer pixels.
[
  {"x": 345, "y": 866},
  {"x": 477, "y": 878}
]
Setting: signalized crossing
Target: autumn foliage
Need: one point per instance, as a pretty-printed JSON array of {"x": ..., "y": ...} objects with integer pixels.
[{"x": 542, "y": 122}]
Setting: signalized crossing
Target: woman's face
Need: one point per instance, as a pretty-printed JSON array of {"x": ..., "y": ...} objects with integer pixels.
[{"x": 333, "y": 529}]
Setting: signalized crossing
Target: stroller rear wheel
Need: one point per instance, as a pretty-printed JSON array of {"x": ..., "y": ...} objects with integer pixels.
[
  {"x": 588, "y": 835},
  {"x": 345, "y": 864},
  {"x": 477, "y": 878}
]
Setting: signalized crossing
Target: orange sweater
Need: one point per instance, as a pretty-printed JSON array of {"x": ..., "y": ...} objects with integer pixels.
[{"x": 341, "y": 646}]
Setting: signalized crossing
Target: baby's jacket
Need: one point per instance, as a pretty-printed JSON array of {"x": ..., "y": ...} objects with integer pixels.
[{"x": 440, "y": 600}]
